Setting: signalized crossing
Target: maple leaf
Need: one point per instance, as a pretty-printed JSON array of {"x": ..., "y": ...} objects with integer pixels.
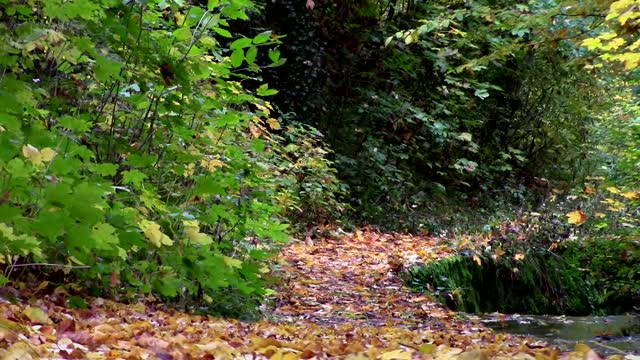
[
  {"x": 38, "y": 156},
  {"x": 152, "y": 232},
  {"x": 576, "y": 217},
  {"x": 273, "y": 124}
]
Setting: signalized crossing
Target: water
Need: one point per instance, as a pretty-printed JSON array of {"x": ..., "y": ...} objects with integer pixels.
[{"x": 606, "y": 334}]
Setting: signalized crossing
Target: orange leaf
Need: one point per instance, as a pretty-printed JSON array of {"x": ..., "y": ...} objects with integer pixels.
[{"x": 576, "y": 217}]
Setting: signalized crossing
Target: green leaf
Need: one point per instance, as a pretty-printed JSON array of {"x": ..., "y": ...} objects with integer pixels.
[
  {"x": 481, "y": 93},
  {"x": 264, "y": 90},
  {"x": 134, "y": 177},
  {"x": 212, "y": 4},
  {"x": 208, "y": 186},
  {"x": 240, "y": 43},
  {"x": 104, "y": 169},
  {"x": 274, "y": 55},
  {"x": 262, "y": 37},
  {"x": 76, "y": 302},
  {"x": 168, "y": 286},
  {"x": 18, "y": 169},
  {"x": 9, "y": 122},
  {"x": 107, "y": 69},
  {"x": 50, "y": 223},
  {"x": 251, "y": 55},
  {"x": 75, "y": 123},
  {"x": 182, "y": 34},
  {"x": 236, "y": 57},
  {"x": 223, "y": 32},
  {"x": 104, "y": 236}
]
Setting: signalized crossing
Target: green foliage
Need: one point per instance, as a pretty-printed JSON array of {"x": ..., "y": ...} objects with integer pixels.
[
  {"x": 544, "y": 262},
  {"x": 317, "y": 194},
  {"x": 540, "y": 283},
  {"x": 128, "y": 147},
  {"x": 477, "y": 97}
]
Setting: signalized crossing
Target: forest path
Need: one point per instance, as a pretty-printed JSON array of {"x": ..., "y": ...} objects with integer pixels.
[
  {"x": 340, "y": 298},
  {"x": 355, "y": 278}
]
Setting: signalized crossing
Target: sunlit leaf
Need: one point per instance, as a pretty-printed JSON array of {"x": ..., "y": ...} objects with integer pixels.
[
  {"x": 154, "y": 234},
  {"x": 38, "y": 156},
  {"x": 576, "y": 217}
]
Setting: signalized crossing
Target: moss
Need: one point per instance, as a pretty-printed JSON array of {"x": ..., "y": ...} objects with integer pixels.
[
  {"x": 596, "y": 277},
  {"x": 535, "y": 285}
]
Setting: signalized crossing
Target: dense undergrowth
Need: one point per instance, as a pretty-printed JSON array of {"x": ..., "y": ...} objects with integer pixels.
[
  {"x": 556, "y": 261},
  {"x": 134, "y": 162},
  {"x": 170, "y": 148}
]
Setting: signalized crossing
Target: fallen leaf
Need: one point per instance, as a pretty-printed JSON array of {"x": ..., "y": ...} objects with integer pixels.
[
  {"x": 18, "y": 351},
  {"x": 589, "y": 190},
  {"x": 576, "y": 217},
  {"x": 37, "y": 316},
  {"x": 396, "y": 355}
]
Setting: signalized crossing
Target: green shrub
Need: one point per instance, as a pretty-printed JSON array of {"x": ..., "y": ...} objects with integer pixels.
[
  {"x": 129, "y": 154},
  {"x": 312, "y": 181}
]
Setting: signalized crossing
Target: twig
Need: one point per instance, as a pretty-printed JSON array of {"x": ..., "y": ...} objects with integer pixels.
[
  {"x": 53, "y": 265},
  {"x": 409, "y": 346},
  {"x": 610, "y": 348}
]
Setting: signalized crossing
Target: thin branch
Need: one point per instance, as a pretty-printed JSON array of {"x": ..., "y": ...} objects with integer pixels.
[{"x": 53, "y": 265}]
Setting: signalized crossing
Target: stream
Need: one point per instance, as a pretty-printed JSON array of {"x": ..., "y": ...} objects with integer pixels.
[{"x": 606, "y": 334}]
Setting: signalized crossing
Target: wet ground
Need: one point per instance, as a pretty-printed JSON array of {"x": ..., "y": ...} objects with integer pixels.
[{"x": 606, "y": 334}]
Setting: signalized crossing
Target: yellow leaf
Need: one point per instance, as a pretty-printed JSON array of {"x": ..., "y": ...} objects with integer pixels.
[
  {"x": 576, "y": 217},
  {"x": 37, "y": 316},
  {"x": 477, "y": 260},
  {"x": 232, "y": 263},
  {"x": 600, "y": 215},
  {"x": 630, "y": 195},
  {"x": 396, "y": 355},
  {"x": 281, "y": 355},
  {"x": 427, "y": 348},
  {"x": 613, "y": 190},
  {"x": 273, "y": 124},
  {"x": 192, "y": 230},
  {"x": 189, "y": 170},
  {"x": 212, "y": 164},
  {"x": 519, "y": 256},
  {"x": 499, "y": 252},
  {"x": 179, "y": 18},
  {"x": 152, "y": 232},
  {"x": 38, "y": 156}
]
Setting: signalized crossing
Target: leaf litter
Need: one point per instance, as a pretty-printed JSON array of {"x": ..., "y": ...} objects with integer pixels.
[{"x": 340, "y": 297}]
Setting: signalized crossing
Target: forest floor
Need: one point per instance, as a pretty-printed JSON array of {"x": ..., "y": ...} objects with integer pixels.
[{"x": 340, "y": 297}]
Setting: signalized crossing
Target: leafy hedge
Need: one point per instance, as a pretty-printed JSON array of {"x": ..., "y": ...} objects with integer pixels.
[{"x": 131, "y": 156}]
